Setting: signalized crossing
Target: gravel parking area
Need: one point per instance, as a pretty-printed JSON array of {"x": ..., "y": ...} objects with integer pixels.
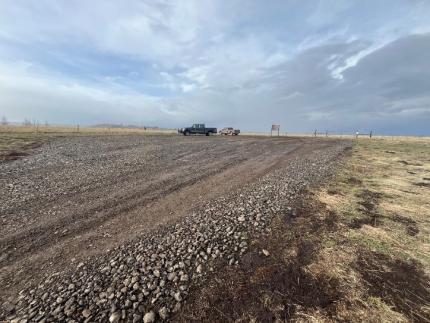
[{"x": 118, "y": 228}]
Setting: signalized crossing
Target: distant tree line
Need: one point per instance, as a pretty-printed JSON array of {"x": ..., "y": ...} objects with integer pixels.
[{"x": 27, "y": 122}]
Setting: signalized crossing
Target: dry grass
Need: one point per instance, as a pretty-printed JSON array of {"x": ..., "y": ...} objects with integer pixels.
[
  {"x": 81, "y": 130},
  {"x": 393, "y": 170},
  {"x": 382, "y": 246},
  {"x": 17, "y": 141}
]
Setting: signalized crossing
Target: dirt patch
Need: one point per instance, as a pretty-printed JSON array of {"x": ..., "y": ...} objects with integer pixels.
[
  {"x": 403, "y": 285},
  {"x": 411, "y": 225},
  {"x": 354, "y": 181},
  {"x": 265, "y": 293},
  {"x": 370, "y": 196},
  {"x": 404, "y": 162},
  {"x": 11, "y": 154},
  {"x": 333, "y": 191},
  {"x": 390, "y": 152},
  {"x": 422, "y": 184},
  {"x": 368, "y": 208},
  {"x": 412, "y": 230}
]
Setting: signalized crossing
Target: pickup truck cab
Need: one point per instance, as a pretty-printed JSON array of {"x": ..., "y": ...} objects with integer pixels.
[{"x": 197, "y": 129}]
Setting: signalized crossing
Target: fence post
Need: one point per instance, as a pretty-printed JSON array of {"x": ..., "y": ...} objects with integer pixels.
[
  {"x": 326, "y": 133},
  {"x": 315, "y": 133},
  {"x": 371, "y": 133}
]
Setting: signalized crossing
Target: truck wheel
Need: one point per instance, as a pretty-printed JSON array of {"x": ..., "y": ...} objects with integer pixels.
[
  {"x": 186, "y": 133},
  {"x": 208, "y": 133}
]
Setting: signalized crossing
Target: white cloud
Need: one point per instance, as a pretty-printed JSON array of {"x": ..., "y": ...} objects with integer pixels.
[{"x": 186, "y": 87}]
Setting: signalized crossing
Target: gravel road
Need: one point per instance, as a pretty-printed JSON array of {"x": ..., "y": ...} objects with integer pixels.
[{"x": 118, "y": 228}]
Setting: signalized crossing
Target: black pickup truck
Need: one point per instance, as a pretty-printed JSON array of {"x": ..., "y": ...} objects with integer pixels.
[{"x": 197, "y": 129}]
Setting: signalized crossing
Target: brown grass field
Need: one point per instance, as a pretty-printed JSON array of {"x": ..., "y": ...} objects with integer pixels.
[{"x": 381, "y": 253}]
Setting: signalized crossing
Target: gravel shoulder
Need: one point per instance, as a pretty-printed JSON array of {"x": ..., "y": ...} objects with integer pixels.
[{"x": 107, "y": 221}]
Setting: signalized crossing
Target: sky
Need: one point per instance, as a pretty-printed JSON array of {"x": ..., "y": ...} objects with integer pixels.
[{"x": 338, "y": 65}]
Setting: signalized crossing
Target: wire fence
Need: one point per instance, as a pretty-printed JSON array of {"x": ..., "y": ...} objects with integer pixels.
[
  {"x": 316, "y": 134},
  {"x": 334, "y": 134}
]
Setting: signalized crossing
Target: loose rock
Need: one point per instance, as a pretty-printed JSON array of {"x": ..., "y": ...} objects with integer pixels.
[{"x": 149, "y": 317}]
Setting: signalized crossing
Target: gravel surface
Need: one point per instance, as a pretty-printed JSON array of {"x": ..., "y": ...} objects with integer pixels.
[
  {"x": 78, "y": 196},
  {"x": 147, "y": 279}
]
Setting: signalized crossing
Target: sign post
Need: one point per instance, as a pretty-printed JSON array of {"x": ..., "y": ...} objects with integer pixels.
[{"x": 275, "y": 127}]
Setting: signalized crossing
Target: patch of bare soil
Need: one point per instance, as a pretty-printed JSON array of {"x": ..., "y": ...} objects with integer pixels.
[
  {"x": 422, "y": 184},
  {"x": 15, "y": 154},
  {"x": 406, "y": 163},
  {"x": 333, "y": 191},
  {"x": 368, "y": 207},
  {"x": 354, "y": 181},
  {"x": 411, "y": 225},
  {"x": 401, "y": 284}
]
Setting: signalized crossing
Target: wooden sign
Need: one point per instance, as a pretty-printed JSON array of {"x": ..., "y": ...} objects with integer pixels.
[{"x": 275, "y": 127}]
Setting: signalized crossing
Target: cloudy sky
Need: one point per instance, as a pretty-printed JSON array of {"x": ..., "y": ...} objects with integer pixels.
[{"x": 340, "y": 65}]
